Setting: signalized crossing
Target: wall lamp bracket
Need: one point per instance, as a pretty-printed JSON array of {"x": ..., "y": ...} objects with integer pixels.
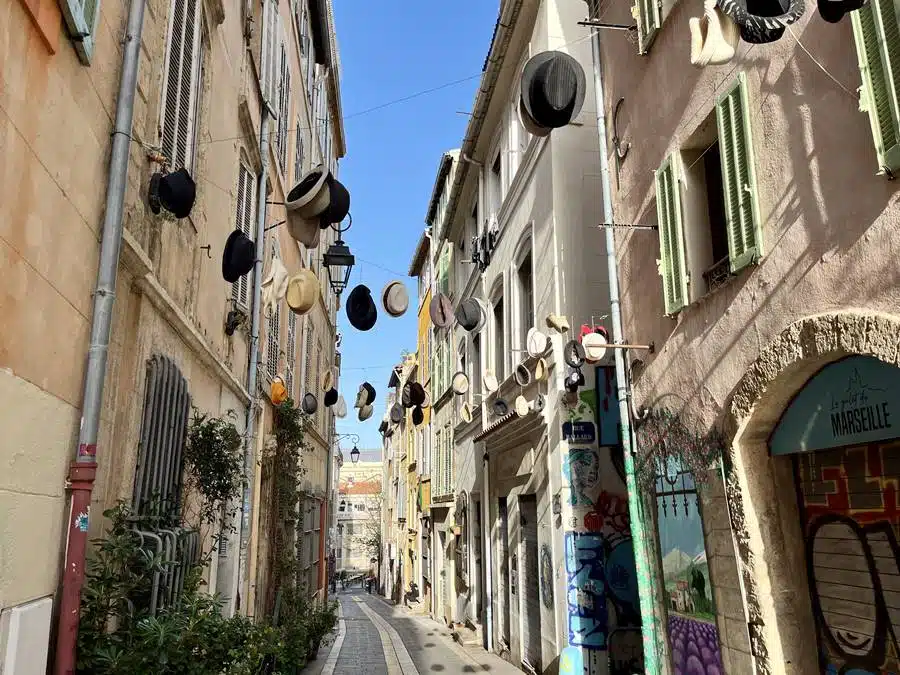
[{"x": 612, "y": 26}]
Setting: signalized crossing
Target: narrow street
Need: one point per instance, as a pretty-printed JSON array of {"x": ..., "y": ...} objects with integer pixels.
[{"x": 375, "y": 638}]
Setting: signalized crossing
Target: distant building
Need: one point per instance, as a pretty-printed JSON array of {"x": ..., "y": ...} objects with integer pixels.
[{"x": 358, "y": 511}]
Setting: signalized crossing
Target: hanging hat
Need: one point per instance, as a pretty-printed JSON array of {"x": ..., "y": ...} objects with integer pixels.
[
  {"x": 522, "y": 375},
  {"x": 338, "y": 203},
  {"x": 365, "y": 396},
  {"x": 833, "y": 11},
  {"x": 573, "y": 354},
  {"x": 311, "y": 196},
  {"x": 361, "y": 310},
  {"x": 540, "y": 370},
  {"x": 418, "y": 416},
  {"x": 557, "y": 322},
  {"x": 594, "y": 345},
  {"x": 762, "y": 21},
  {"x": 327, "y": 380},
  {"x": 274, "y": 287},
  {"x": 365, "y": 413},
  {"x": 302, "y": 291},
  {"x": 465, "y": 412},
  {"x": 412, "y": 395},
  {"x": 552, "y": 90},
  {"x": 441, "y": 311},
  {"x": 395, "y": 299},
  {"x": 537, "y": 343},
  {"x": 539, "y": 403},
  {"x": 305, "y": 231},
  {"x": 520, "y": 405},
  {"x": 460, "y": 383},
  {"x": 238, "y": 257},
  {"x": 471, "y": 315},
  {"x": 340, "y": 408},
  {"x": 309, "y": 404},
  {"x": 330, "y": 398},
  {"x": 427, "y": 402},
  {"x": 279, "y": 391},
  {"x": 489, "y": 380},
  {"x": 175, "y": 192},
  {"x": 714, "y": 36},
  {"x": 396, "y": 413},
  {"x": 500, "y": 407},
  {"x": 574, "y": 379},
  {"x": 406, "y": 396}
]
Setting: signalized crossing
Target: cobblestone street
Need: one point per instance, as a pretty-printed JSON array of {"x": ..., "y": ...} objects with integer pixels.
[{"x": 374, "y": 638}]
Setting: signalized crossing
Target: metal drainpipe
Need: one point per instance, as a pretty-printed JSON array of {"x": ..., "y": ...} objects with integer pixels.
[
  {"x": 250, "y": 427},
  {"x": 82, "y": 471},
  {"x": 649, "y": 628},
  {"x": 488, "y": 558}
]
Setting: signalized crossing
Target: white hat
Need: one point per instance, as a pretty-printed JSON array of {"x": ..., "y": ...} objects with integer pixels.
[
  {"x": 714, "y": 37},
  {"x": 275, "y": 285},
  {"x": 460, "y": 383},
  {"x": 465, "y": 412},
  {"x": 340, "y": 408},
  {"x": 521, "y": 406},
  {"x": 536, "y": 342},
  {"x": 395, "y": 299},
  {"x": 594, "y": 346},
  {"x": 490, "y": 381},
  {"x": 365, "y": 412}
]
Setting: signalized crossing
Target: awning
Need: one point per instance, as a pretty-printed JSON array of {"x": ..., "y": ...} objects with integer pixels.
[{"x": 508, "y": 430}]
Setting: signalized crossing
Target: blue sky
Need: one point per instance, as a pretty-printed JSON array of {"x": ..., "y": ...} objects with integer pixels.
[{"x": 391, "y": 51}]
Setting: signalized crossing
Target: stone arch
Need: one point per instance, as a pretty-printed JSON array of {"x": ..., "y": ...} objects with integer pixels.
[{"x": 760, "y": 489}]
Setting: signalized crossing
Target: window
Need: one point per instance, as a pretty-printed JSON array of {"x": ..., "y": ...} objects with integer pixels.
[
  {"x": 472, "y": 227},
  {"x": 499, "y": 341},
  {"x": 671, "y": 242},
  {"x": 291, "y": 354},
  {"x": 81, "y": 19},
  {"x": 519, "y": 138},
  {"x": 495, "y": 184},
  {"x": 319, "y": 417},
  {"x": 342, "y": 508},
  {"x": 649, "y": 19},
  {"x": 273, "y": 331},
  {"x": 181, "y": 85},
  {"x": 438, "y": 462},
  {"x": 877, "y": 37},
  {"x": 284, "y": 109},
  {"x": 448, "y": 459},
  {"x": 302, "y": 25},
  {"x": 244, "y": 217},
  {"x": 298, "y": 153},
  {"x": 476, "y": 363},
  {"x": 524, "y": 277},
  {"x": 444, "y": 268}
]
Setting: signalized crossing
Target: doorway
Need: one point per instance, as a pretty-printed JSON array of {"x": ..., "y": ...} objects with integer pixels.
[
  {"x": 530, "y": 610},
  {"x": 503, "y": 564}
]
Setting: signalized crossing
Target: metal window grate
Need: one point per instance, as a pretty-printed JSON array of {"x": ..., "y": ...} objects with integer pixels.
[{"x": 244, "y": 222}]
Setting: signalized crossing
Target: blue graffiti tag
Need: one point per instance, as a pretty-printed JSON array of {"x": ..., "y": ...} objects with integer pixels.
[{"x": 586, "y": 590}]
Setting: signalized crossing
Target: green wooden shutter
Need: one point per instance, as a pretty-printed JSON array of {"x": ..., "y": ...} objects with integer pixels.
[
  {"x": 671, "y": 237},
  {"x": 646, "y": 14},
  {"x": 877, "y": 37},
  {"x": 738, "y": 176},
  {"x": 81, "y": 21}
]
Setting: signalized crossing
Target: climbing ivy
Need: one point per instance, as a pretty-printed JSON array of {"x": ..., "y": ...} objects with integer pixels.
[{"x": 214, "y": 459}]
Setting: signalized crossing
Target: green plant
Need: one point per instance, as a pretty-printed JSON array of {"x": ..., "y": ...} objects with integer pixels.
[{"x": 215, "y": 462}]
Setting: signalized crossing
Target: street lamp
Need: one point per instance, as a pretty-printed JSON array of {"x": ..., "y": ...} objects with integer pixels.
[
  {"x": 354, "y": 455},
  {"x": 338, "y": 261}
]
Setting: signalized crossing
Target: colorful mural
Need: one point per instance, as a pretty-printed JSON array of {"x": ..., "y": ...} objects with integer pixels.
[
  {"x": 586, "y": 590},
  {"x": 693, "y": 636}
]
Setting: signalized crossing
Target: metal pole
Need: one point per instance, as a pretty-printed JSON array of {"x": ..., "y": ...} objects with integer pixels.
[
  {"x": 488, "y": 559},
  {"x": 250, "y": 427},
  {"x": 329, "y": 469},
  {"x": 649, "y": 628},
  {"x": 82, "y": 471}
]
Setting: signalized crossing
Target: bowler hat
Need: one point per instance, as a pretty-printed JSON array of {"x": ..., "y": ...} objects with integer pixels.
[
  {"x": 441, "y": 311},
  {"x": 762, "y": 21},
  {"x": 238, "y": 256},
  {"x": 470, "y": 314},
  {"x": 175, "y": 192},
  {"x": 833, "y": 11},
  {"x": 361, "y": 310},
  {"x": 552, "y": 91}
]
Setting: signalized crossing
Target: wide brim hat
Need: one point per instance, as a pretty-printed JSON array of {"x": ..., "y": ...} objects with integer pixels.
[
  {"x": 500, "y": 407},
  {"x": 338, "y": 203},
  {"x": 406, "y": 396},
  {"x": 522, "y": 375},
  {"x": 537, "y": 343},
  {"x": 573, "y": 354},
  {"x": 365, "y": 413},
  {"x": 417, "y": 394},
  {"x": 470, "y": 315},
  {"x": 238, "y": 257},
  {"x": 553, "y": 89},
  {"x": 833, "y": 11},
  {"x": 763, "y": 21},
  {"x": 330, "y": 397},
  {"x": 309, "y": 404},
  {"x": 327, "y": 380},
  {"x": 340, "y": 408},
  {"x": 418, "y": 416},
  {"x": 311, "y": 196},
  {"x": 541, "y": 370},
  {"x": 361, "y": 310},
  {"x": 304, "y": 230},
  {"x": 177, "y": 192},
  {"x": 302, "y": 291},
  {"x": 396, "y": 413},
  {"x": 465, "y": 412},
  {"x": 595, "y": 346},
  {"x": 460, "y": 383},
  {"x": 530, "y": 125},
  {"x": 520, "y": 405},
  {"x": 441, "y": 311},
  {"x": 395, "y": 299},
  {"x": 489, "y": 380},
  {"x": 714, "y": 36}
]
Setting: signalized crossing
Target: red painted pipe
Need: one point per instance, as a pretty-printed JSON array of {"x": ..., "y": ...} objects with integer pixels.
[{"x": 81, "y": 484}]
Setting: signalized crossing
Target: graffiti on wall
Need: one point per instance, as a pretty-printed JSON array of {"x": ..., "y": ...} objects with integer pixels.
[
  {"x": 582, "y": 471},
  {"x": 586, "y": 590},
  {"x": 851, "y": 519},
  {"x": 546, "y": 577},
  {"x": 693, "y": 635}
]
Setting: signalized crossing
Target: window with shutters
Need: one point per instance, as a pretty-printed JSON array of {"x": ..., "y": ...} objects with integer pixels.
[
  {"x": 438, "y": 488},
  {"x": 244, "y": 217},
  {"x": 448, "y": 459},
  {"x": 284, "y": 108},
  {"x": 298, "y": 153},
  {"x": 273, "y": 331},
  {"x": 301, "y": 23},
  {"x": 81, "y": 18},
  {"x": 877, "y": 37},
  {"x": 525, "y": 295},
  {"x": 181, "y": 84},
  {"x": 499, "y": 339},
  {"x": 320, "y": 370},
  {"x": 291, "y": 354},
  {"x": 307, "y": 359},
  {"x": 671, "y": 239}
]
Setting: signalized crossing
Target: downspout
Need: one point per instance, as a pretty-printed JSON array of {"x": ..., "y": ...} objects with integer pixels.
[
  {"x": 649, "y": 628},
  {"x": 489, "y": 563},
  {"x": 82, "y": 471}
]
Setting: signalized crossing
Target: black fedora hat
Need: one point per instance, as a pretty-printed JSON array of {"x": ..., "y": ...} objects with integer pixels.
[
  {"x": 418, "y": 416},
  {"x": 238, "y": 256},
  {"x": 361, "y": 310},
  {"x": 763, "y": 21},
  {"x": 175, "y": 192},
  {"x": 552, "y": 90},
  {"x": 338, "y": 203},
  {"x": 330, "y": 398},
  {"x": 833, "y": 11},
  {"x": 416, "y": 394}
]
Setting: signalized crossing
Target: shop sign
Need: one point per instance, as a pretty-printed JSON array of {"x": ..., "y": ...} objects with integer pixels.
[{"x": 853, "y": 401}]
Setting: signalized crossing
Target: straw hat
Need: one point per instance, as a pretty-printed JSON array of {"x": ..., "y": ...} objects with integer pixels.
[
  {"x": 490, "y": 381},
  {"x": 537, "y": 343},
  {"x": 302, "y": 291},
  {"x": 460, "y": 383},
  {"x": 521, "y": 406}
]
